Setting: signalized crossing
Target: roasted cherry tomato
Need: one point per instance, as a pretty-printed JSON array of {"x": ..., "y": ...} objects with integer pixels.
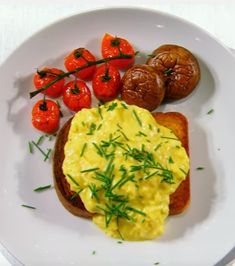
[
  {"x": 113, "y": 46},
  {"x": 78, "y": 58},
  {"x": 46, "y": 75},
  {"x": 46, "y": 116},
  {"x": 106, "y": 82},
  {"x": 77, "y": 95}
]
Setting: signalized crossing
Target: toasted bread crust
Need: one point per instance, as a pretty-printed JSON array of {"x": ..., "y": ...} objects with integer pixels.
[
  {"x": 178, "y": 200},
  {"x": 178, "y": 123}
]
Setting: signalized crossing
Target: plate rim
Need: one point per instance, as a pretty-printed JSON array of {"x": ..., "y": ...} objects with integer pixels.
[{"x": 3, "y": 250}]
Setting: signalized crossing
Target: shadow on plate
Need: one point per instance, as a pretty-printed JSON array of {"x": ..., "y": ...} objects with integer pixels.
[{"x": 202, "y": 184}]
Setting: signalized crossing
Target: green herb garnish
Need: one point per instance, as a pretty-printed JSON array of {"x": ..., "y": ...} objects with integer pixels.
[
  {"x": 137, "y": 118},
  {"x": 124, "y": 105},
  {"x": 46, "y": 155},
  {"x": 90, "y": 170},
  {"x": 73, "y": 180},
  {"x": 83, "y": 149},
  {"x": 170, "y": 160},
  {"x": 41, "y": 138},
  {"x": 27, "y": 206},
  {"x": 112, "y": 106},
  {"x": 210, "y": 111},
  {"x": 200, "y": 168},
  {"x": 30, "y": 147},
  {"x": 100, "y": 113},
  {"x": 91, "y": 129},
  {"x": 39, "y": 189},
  {"x": 140, "y": 133}
]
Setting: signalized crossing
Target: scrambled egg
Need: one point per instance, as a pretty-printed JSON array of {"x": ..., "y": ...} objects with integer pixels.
[{"x": 124, "y": 166}]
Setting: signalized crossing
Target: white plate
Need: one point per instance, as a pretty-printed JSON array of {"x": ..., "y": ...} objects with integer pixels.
[{"x": 50, "y": 235}]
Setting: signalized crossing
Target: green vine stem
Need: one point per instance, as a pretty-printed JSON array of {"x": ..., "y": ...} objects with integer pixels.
[{"x": 88, "y": 64}]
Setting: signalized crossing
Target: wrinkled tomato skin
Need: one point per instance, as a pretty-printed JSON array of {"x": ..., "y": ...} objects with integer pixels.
[
  {"x": 106, "y": 90},
  {"x": 55, "y": 90},
  {"x": 46, "y": 120},
  {"x": 72, "y": 62},
  {"x": 110, "y": 49},
  {"x": 77, "y": 100}
]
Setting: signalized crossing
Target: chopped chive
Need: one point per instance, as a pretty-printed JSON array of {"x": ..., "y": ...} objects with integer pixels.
[
  {"x": 150, "y": 175},
  {"x": 100, "y": 113},
  {"x": 119, "y": 126},
  {"x": 39, "y": 189},
  {"x": 200, "y": 168},
  {"x": 91, "y": 129},
  {"x": 170, "y": 138},
  {"x": 137, "y": 118},
  {"x": 150, "y": 127},
  {"x": 76, "y": 194},
  {"x": 119, "y": 242},
  {"x": 124, "y": 135},
  {"x": 93, "y": 252},
  {"x": 30, "y": 147},
  {"x": 182, "y": 170},
  {"x": 73, "y": 180},
  {"x": 170, "y": 160},
  {"x": 90, "y": 170},
  {"x": 143, "y": 220},
  {"x": 112, "y": 106},
  {"x": 158, "y": 130},
  {"x": 27, "y": 206},
  {"x": 140, "y": 133},
  {"x": 41, "y": 138},
  {"x": 158, "y": 146},
  {"x": 135, "y": 210},
  {"x": 51, "y": 137},
  {"x": 83, "y": 149},
  {"x": 177, "y": 146},
  {"x": 210, "y": 111},
  {"x": 99, "y": 126},
  {"x": 47, "y": 155},
  {"x": 156, "y": 263},
  {"x": 124, "y": 106}
]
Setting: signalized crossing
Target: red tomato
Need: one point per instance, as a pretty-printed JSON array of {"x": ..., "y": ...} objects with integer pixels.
[
  {"x": 77, "y": 95},
  {"x": 106, "y": 82},
  {"x": 46, "y": 75},
  {"x": 46, "y": 116},
  {"x": 77, "y": 58},
  {"x": 113, "y": 46}
]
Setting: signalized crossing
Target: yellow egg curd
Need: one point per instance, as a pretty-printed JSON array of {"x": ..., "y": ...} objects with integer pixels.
[{"x": 124, "y": 166}]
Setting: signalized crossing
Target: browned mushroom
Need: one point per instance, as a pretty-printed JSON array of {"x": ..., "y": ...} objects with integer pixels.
[
  {"x": 178, "y": 67},
  {"x": 142, "y": 86}
]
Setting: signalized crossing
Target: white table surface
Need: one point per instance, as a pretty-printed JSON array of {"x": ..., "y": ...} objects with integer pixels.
[{"x": 20, "y": 19}]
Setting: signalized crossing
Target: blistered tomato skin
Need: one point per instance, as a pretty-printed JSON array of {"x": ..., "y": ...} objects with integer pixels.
[
  {"x": 106, "y": 82},
  {"x": 78, "y": 58},
  {"x": 77, "y": 95},
  {"x": 46, "y": 75},
  {"x": 113, "y": 46},
  {"x": 46, "y": 116}
]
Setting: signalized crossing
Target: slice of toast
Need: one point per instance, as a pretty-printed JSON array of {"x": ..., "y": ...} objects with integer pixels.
[{"x": 179, "y": 200}]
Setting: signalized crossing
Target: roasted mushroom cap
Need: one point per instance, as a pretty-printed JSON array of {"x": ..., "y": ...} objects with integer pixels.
[
  {"x": 142, "y": 86},
  {"x": 178, "y": 67}
]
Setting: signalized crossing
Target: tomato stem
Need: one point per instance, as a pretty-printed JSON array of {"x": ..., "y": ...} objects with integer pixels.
[{"x": 88, "y": 64}]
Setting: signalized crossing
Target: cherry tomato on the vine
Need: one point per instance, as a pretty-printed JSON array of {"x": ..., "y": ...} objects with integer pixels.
[
  {"x": 46, "y": 75},
  {"x": 46, "y": 116},
  {"x": 106, "y": 82},
  {"x": 77, "y": 95},
  {"x": 78, "y": 58},
  {"x": 113, "y": 46}
]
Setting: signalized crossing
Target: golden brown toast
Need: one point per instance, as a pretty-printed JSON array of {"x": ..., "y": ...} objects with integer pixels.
[{"x": 179, "y": 200}]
